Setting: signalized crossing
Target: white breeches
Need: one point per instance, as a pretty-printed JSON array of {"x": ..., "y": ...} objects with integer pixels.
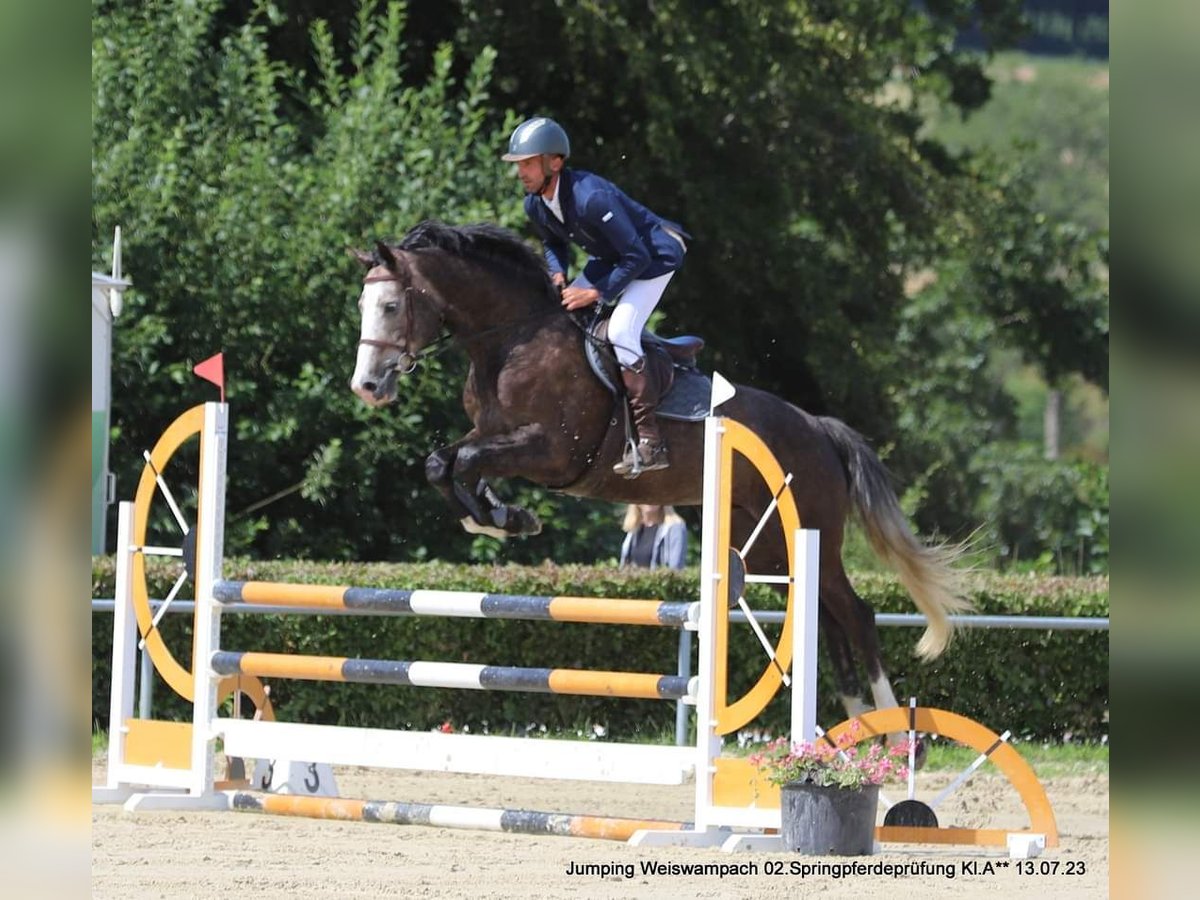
[{"x": 630, "y": 316}]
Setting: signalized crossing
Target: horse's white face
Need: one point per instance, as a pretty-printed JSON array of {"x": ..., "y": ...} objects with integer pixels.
[{"x": 382, "y": 348}]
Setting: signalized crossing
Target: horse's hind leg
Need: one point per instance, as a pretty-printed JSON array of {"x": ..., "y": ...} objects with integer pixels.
[
  {"x": 849, "y": 623},
  {"x": 853, "y": 624},
  {"x": 845, "y": 671},
  {"x": 856, "y": 620}
]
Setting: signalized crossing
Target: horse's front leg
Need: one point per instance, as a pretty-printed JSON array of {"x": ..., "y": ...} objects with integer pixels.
[
  {"x": 459, "y": 473},
  {"x": 519, "y": 453},
  {"x": 439, "y": 472},
  {"x": 476, "y": 508}
]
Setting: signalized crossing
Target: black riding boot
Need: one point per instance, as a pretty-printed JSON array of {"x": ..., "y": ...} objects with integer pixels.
[{"x": 651, "y": 449}]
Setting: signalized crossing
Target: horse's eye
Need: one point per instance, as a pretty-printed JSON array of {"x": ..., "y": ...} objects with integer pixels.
[{"x": 390, "y": 307}]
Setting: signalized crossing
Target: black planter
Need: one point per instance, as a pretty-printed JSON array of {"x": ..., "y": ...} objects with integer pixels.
[{"x": 829, "y": 821}]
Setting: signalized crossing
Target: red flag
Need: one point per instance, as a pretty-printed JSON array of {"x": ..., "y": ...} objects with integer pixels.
[{"x": 213, "y": 369}]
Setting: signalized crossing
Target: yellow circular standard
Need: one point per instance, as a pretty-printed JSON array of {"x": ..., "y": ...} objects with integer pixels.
[
  {"x": 187, "y": 426},
  {"x": 740, "y": 440},
  {"x": 899, "y": 719}
]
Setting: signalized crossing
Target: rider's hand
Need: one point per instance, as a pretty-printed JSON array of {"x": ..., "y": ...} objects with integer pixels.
[
  {"x": 577, "y": 297},
  {"x": 559, "y": 278}
]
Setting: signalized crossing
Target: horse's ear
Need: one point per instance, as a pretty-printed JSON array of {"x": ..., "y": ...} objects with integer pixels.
[
  {"x": 362, "y": 256},
  {"x": 385, "y": 255}
]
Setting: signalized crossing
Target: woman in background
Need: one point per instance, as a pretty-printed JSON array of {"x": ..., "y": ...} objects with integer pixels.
[{"x": 655, "y": 536}]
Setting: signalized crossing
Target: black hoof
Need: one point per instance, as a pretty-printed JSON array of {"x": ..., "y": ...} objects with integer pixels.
[
  {"x": 527, "y": 523},
  {"x": 516, "y": 521}
]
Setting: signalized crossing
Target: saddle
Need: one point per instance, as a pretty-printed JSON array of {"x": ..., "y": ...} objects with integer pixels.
[{"x": 682, "y": 390}]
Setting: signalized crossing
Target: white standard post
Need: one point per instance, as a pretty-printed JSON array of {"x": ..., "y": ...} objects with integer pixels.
[
  {"x": 706, "y": 831},
  {"x": 210, "y": 549},
  {"x": 806, "y": 569},
  {"x": 708, "y": 743},
  {"x": 120, "y": 707}
]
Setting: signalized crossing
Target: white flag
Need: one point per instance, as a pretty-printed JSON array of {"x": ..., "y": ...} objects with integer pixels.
[{"x": 722, "y": 390}]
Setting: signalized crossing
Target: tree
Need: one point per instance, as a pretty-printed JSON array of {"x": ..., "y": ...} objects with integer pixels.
[
  {"x": 237, "y": 217},
  {"x": 242, "y": 152}
]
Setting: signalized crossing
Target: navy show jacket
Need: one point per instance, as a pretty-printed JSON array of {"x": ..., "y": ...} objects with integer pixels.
[{"x": 624, "y": 240}]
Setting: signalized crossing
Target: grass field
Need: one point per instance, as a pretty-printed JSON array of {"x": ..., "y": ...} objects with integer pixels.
[{"x": 1048, "y": 760}]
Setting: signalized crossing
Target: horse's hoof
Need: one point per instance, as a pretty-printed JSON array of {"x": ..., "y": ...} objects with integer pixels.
[
  {"x": 523, "y": 523},
  {"x": 515, "y": 521}
]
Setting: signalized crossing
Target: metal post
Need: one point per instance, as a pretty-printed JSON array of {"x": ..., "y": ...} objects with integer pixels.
[
  {"x": 684, "y": 669},
  {"x": 146, "y": 686}
]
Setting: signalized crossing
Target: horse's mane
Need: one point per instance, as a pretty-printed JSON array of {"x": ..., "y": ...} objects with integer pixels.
[{"x": 490, "y": 245}]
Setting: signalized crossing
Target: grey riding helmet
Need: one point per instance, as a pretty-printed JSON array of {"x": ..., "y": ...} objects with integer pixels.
[{"x": 533, "y": 137}]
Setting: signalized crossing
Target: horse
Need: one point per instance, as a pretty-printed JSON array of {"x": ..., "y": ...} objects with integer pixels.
[{"x": 539, "y": 413}]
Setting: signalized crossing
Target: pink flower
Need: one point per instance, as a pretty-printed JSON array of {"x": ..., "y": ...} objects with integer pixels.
[{"x": 844, "y": 762}]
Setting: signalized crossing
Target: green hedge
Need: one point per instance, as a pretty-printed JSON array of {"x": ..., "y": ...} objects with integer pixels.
[{"x": 1042, "y": 685}]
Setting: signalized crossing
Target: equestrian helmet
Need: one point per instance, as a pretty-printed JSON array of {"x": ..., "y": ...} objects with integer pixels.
[{"x": 533, "y": 137}]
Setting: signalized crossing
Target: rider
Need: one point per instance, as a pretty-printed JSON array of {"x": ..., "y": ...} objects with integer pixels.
[{"x": 632, "y": 254}]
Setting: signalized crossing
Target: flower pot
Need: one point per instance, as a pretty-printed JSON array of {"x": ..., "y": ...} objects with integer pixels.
[{"x": 820, "y": 821}]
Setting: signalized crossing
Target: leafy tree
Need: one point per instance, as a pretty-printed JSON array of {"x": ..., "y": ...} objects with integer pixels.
[
  {"x": 236, "y": 221},
  {"x": 1042, "y": 515},
  {"x": 759, "y": 126},
  {"x": 1051, "y": 116}
]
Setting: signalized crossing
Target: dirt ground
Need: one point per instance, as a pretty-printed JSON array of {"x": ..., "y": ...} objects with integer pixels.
[{"x": 224, "y": 854}]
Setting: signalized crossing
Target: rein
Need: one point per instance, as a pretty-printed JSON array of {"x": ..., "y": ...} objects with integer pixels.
[{"x": 407, "y": 362}]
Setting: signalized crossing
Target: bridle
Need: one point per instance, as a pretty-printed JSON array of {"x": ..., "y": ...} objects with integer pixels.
[{"x": 406, "y": 362}]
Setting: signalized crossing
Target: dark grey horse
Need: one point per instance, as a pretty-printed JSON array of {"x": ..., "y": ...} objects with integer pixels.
[{"x": 540, "y": 414}]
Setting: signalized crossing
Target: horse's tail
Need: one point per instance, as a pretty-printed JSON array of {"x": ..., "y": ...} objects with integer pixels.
[{"x": 927, "y": 572}]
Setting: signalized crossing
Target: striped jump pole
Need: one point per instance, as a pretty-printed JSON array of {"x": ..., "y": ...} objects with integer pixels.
[
  {"x": 461, "y": 604},
  {"x": 579, "y": 682},
  {"x": 519, "y": 821}
]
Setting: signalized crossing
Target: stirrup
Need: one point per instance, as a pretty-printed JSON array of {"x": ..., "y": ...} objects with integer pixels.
[{"x": 645, "y": 457}]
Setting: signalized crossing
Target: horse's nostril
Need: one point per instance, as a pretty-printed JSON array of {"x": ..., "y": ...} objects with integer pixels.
[{"x": 369, "y": 386}]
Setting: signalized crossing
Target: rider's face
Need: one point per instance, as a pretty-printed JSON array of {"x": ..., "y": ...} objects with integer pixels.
[{"x": 533, "y": 172}]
